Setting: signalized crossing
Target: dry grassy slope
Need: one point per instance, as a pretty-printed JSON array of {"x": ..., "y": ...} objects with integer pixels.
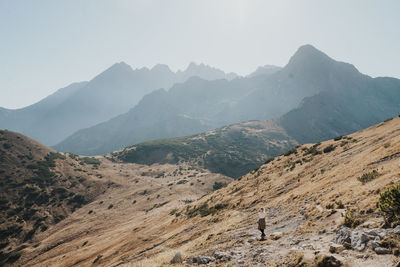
[
  {"x": 38, "y": 188},
  {"x": 125, "y": 220},
  {"x": 296, "y": 199}
]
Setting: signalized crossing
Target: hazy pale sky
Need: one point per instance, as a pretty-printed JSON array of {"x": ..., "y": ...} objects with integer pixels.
[{"x": 48, "y": 44}]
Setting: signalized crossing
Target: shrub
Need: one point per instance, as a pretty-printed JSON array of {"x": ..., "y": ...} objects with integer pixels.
[
  {"x": 204, "y": 210},
  {"x": 391, "y": 241},
  {"x": 339, "y": 204},
  {"x": 172, "y": 212},
  {"x": 78, "y": 200},
  {"x": 350, "y": 219},
  {"x": 389, "y": 204},
  {"x": 388, "y": 119},
  {"x": 88, "y": 160},
  {"x": 7, "y": 145},
  {"x": 290, "y": 152},
  {"x": 313, "y": 150},
  {"x": 367, "y": 177},
  {"x": 219, "y": 185},
  {"x": 182, "y": 181},
  {"x": 329, "y": 148},
  {"x": 269, "y": 160},
  {"x": 337, "y": 138}
]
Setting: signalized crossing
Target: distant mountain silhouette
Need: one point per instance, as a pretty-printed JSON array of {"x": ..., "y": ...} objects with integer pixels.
[
  {"x": 81, "y": 105},
  {"x": 267, "y": 69},
  {"x": 198, "y": 105}
]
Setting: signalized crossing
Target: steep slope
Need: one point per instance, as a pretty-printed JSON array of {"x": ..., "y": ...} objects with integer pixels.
[
  {"x": 213, "y": 104},
  {"x": 305, "y": 193},
  {"x": 111, "y": 93},
  {"x": 38, "y": 188}
]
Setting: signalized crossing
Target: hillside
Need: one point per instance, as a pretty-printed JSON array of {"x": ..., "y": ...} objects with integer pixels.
[
  {"x": 39, "y": 188},
  {"x": 43, "y": 193},
  {"x": 232, "y": 150},
  {"x": 109, "y": 94},
  {"x": 306, "y": 194}
]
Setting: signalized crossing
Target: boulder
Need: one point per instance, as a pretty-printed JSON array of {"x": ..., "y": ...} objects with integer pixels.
[
  {"x": 343, "y": 236},
  {"x": 177, "y": 258},
  {"x": 380, "y": 251},
  {"x": 358, "y": 240}
]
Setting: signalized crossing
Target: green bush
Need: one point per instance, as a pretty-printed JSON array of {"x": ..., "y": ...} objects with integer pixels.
[
  {"x": 313, "y": 150},
  {"x": 92, "y": 161},
  {"x": 290, "y": 152},
  {"x": 329, "y": 148},
  {"x": 367, "y": 177},
  {"x": 204, "y": 210},
  {"x": 219, "y": 185},
  {"x": 389, "y": 204},
  {"x": 7, "y": 145},
  {"x": 350, "y": 219},
  {"x": 337, "y": 138}
]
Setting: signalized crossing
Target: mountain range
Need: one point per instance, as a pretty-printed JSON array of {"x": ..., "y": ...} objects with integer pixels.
[
  {"x": 199, "y": 105},
  {"x": 111, "y": 93},
  {"x": 347, "y": 101}
]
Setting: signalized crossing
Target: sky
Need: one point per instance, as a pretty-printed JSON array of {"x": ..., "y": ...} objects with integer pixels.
[{"x": 48, "y": 44}]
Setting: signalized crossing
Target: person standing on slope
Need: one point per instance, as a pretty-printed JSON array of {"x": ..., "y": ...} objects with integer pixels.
[{"x": 261, "y": 222}]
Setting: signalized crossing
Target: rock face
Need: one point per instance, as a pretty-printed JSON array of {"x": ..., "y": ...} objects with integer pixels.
[
  {"x": 358, "y": 240},
  {"x": 343, "y": 236},
  {"x": 177, "y": 258}
]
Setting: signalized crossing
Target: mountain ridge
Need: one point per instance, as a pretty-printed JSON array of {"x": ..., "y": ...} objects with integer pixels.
[
  {"x": 108, "y": 94},
  {"x": 213, "y": 104}
]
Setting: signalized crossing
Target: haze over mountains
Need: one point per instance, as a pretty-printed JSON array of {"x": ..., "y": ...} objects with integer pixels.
[
  {"x": 314, "y": 98},
  {"x": 81, "y": 105},
  {"x": 347, "y": 101}
]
